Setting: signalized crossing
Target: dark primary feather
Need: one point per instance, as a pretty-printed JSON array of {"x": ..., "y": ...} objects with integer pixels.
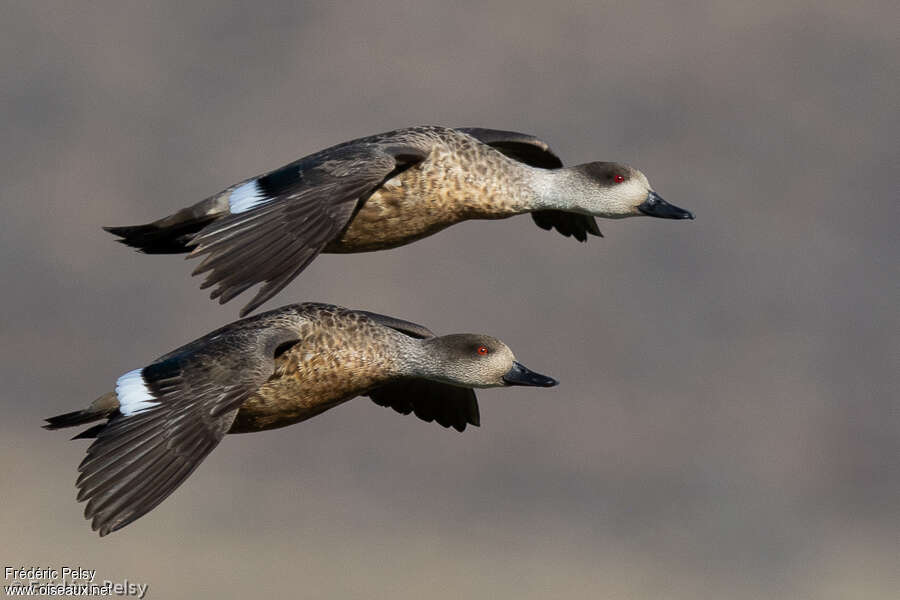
[
  {"x": 136, "y": 461},
  {"x": 308, "y": 203}
]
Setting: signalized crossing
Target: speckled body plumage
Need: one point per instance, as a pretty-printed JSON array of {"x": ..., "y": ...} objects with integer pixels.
[
  {"x": 343, "y": 355},
  {"x": 460, "y": 179}
]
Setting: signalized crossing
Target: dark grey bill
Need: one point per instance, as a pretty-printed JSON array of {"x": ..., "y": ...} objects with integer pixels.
[
  {"x": 655, "y": 206},
  {"x": 522, "y": 375}
]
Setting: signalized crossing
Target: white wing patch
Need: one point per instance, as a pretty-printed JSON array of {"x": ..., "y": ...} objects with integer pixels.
[
  {"x": 134, "y": 396},
  {"x": 246, "y": 196}
]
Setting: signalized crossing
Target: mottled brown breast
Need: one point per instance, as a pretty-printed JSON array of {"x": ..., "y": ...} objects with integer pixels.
[
  {"x": 336, "y": 360},
  {"x": 460, "y": 180}
]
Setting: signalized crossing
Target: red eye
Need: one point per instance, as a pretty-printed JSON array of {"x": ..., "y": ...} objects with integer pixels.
[
  {"x": 618, "y": 178},
  {"x": 482, "y": 350}
]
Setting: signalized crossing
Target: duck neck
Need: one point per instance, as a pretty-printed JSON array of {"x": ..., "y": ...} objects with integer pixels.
[
  {"x": 559, "y": 189},
  {"x": 416, "y": 358}
]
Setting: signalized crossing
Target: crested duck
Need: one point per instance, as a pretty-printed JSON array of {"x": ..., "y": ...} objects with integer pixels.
[
  {"x": 267, "y": 371},
  {"x": 385, "y": 191}
]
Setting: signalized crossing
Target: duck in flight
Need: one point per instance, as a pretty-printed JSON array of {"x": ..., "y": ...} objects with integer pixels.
[
  {"x": 385, "y": 191},
  {"x": 267, "y": 371}
]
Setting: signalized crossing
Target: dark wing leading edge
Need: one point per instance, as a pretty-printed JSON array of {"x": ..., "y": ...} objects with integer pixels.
[
  {"x": 408, "y": 327},
  {"x": 282, "y": 220},
  {"x": 520, "y": 146},
  {"x": 535, "y": 152},
  {"x": 172, "y": 413},
  {"x": 448, "y": 405}
]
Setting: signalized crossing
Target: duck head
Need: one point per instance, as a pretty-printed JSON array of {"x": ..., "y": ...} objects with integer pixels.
[
  {"x": 477, "y": 361},
  {"x": 612, "y": 190}
]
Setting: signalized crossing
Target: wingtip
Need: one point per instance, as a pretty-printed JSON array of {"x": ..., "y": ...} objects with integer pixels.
[
  {"x": 461, "y": 427},
  {"x": 102, "y": 529}
]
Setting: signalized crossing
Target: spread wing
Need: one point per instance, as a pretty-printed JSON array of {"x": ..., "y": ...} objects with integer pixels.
[
  {"x": 408, "y": 327},
  {"x": 537, "y": 153},
  {"x": 520, "y": 146},
  {"x": 171, "y": 415},
  {"x": 448, "y": 405},
  {"x": 568, "y": 224},
  {"x": 281, "y": 221}
]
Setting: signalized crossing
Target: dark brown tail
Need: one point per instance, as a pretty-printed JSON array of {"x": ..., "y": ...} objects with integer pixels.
[
  {"x": 173, "y": 234},
  {"x": 160, "y": 237},
  {"x": 103, "y": 407}
]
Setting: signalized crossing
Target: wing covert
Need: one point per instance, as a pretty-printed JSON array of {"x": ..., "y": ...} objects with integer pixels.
[
  {"x": 171, "y": 415},
  {"x": 281, "y": 221}
]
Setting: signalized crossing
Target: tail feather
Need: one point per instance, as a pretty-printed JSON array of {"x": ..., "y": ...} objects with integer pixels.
[
  {"x": 90, "y": 433},
  {"x": 172, "y": 234},
  {"x": 155, "y": 238},
  {"x": 103, "y": 407}
]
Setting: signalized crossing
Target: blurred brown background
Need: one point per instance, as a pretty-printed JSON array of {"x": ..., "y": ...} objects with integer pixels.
[{"x": 727, "y": 424}]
